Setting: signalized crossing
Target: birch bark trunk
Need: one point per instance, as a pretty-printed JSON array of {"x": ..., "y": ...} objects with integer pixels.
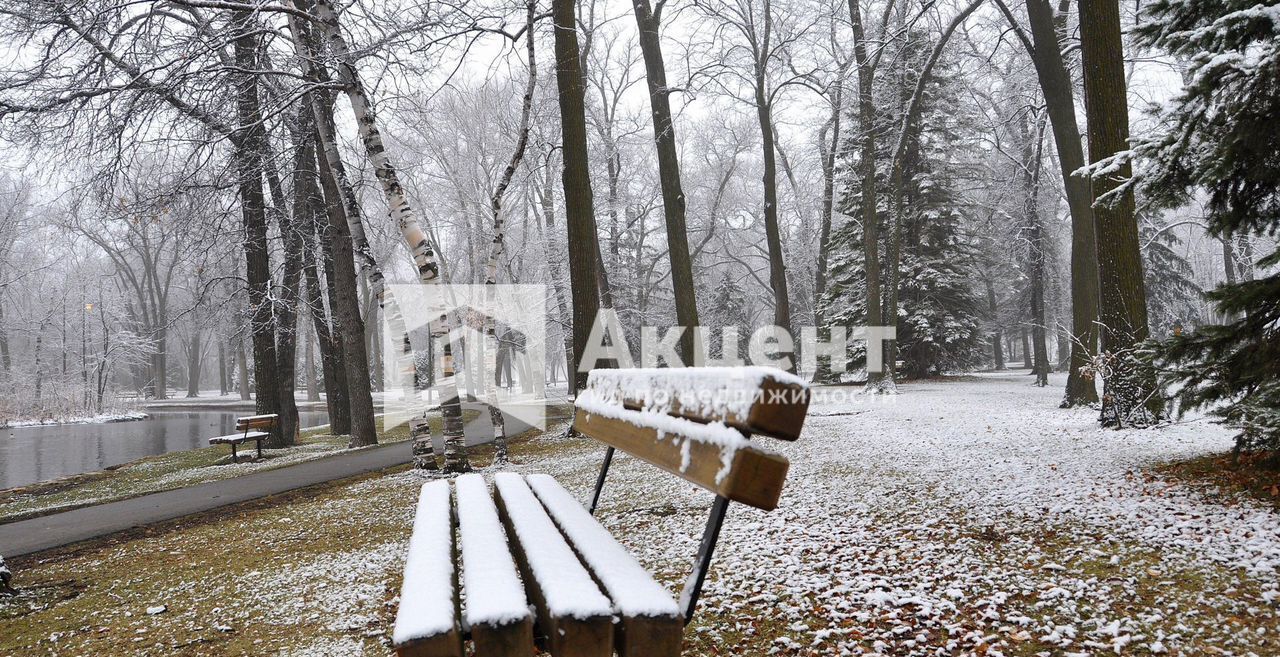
[
  {"x": 499, "y": 233},
  {"x": 455, "y": 455}
]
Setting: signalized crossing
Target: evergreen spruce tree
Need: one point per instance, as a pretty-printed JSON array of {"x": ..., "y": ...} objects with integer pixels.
[
  {"x": 940, "y": 317},
  {"x": 1172, "y": 293},
  {"x": 728, "y": 308},
  {"x": 1220, "y": 136}
]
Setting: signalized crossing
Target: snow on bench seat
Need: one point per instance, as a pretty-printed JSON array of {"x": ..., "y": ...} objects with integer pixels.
[
  {"x": 496, "y": 608},
  {"x": 237, "y": 438},
  {"x": 761, "y": 400},
  {"x": 426, "y": 623},
  {"x": 572, "y": 612},
  {"x": 712, "y": 455},
  {"x": 651, "y": 623}
]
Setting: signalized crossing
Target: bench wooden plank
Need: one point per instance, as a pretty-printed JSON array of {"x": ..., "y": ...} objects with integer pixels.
[
  {"x": 427, "y": 621},
  {"x": 651, "y": 624},
  {"x": 496, "y": 607},
  {"x": 575, "y": 618},
  {"x": 757, "y": 400},
  {"x": 710, "y": 455},
  {"x": 256, "y": 422}
]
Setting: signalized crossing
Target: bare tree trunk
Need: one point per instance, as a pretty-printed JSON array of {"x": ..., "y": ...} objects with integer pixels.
[
  {"x": 5, "y": 359},
  {"x": 1032, "y": 156},
  {"x": 1059, "y": 96},
  {"x": 224, "y": 378},
  {"x": 249, "y": 146},
  {"x": 309, "y": 362},
  {"x": 292, "y": 227},
  {"x": 38, "y": 369},
  {"x": 346, "y": 310},
  {"x": 772, "y": 231},
  {"x": 1228, "y": 258},
  {"x": 193, "y": 360},
  {"x": 829, "y": 141},
  {"x": 556, "y": 271},
  {"x": 867, "y": 175},
  {"x": 332, "y": 362},
  {"x": 576, "y": 179},
  {"x": 242, "y": 369},
  {"x": 673, "y": 201},
  {"x": 997, "y": 336},
  {"x": 1130, "y": 397}
]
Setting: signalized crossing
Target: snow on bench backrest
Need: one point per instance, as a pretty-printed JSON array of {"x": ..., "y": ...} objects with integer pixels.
[
  {"x": 759, "y": 400},
  {"x": 428, "y": 601},
  {"x": 495, "y": 597},
  {"x": 712, "y": 455}
]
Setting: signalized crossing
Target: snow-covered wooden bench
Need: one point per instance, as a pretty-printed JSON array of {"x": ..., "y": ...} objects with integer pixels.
[
  {"x": 534, "y": 563},
  {"x": 252, "y": 427}
]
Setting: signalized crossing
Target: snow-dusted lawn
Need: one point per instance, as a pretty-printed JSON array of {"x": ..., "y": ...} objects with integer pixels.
[
  {"x": 122, "y": 416},
  {"x": 966, "y": 517}
]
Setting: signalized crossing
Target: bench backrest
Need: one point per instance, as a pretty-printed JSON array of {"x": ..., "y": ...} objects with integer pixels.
[
  {"x": 256, "y": 422},
  {"x": 695, "y": 423}
]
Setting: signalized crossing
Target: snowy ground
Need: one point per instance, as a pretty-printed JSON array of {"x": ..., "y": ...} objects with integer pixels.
[
  {"x": 977, "y": 516},
  {"x": 960, "y": 518}
]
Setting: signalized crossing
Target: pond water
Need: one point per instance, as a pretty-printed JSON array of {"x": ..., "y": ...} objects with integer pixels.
[{"x": 32, "y": 454}]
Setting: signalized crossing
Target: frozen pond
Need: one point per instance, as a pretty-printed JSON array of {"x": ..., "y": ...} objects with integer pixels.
[{"x": 32, "y": 454}]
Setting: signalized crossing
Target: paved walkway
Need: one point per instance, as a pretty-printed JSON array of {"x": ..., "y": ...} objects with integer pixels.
[{"x": 68, "y": 527}]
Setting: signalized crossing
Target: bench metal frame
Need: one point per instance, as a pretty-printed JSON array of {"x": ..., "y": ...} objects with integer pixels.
[{"x": 706, "y": 549}]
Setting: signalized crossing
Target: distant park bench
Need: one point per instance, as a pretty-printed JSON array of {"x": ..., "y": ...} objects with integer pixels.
[
  {"x": 253, "y": 427},
  {"x": 693, "y": 423}
]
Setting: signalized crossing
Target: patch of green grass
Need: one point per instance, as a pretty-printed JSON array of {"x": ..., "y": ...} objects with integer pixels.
[
  {"x": 95, "y": 601},
  {"x": 221, "y": 575}
]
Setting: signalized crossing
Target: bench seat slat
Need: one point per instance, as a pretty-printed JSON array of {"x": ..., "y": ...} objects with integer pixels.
[
  {"x": 427, "y": 621},
  {"x": 707, "y": 455},
  {"x": 573, "y": 614},
  {"x": 651, "y": 623},
  {"x": 238, "y": 438},
  {"x": 496, "y": 608}
]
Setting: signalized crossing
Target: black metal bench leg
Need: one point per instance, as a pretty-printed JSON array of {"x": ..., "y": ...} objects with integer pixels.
[
  {"x": 259, "y": 442},
  {"x": 233, "y": 453},
  {"x": 604, "y": 470},
  {"x": 693, "y": 586}
]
